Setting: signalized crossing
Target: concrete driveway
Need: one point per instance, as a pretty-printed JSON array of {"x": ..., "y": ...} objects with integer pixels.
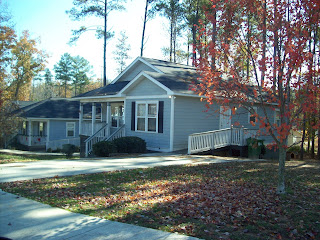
[{"x": 50, "y": 168}]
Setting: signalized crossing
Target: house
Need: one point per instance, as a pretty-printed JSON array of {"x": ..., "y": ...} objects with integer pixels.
[
  {"x": 49, "y": 124},
  {"x": 151, "y": 99}
]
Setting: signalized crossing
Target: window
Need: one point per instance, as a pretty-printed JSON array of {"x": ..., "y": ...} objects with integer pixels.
[
  {"x": 71, "y": 129},
  {"x": 277, "y": 117},
  {"x": 147, "y": 117},
  {"x": 117, "y": 113},
  {"x": 252, "y": 118}
]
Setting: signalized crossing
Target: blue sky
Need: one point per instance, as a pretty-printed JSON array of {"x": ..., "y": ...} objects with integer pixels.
[{"x": 47, "y": 21}]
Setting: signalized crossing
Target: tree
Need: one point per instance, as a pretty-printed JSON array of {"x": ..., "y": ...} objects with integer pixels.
[
  {"x": 148, "y": 14},
  {"x": 80, "y": 71},
  {"x": 172, "y": 9},
  {"x": 27, "y": 62},
  {"x": 100, "y": 9},
  {"x": 48, "y": 83},
  {"x": 63, "y": 71},
  {"x": 121, "y": 52},
  {"x": 275, "y": 40}
]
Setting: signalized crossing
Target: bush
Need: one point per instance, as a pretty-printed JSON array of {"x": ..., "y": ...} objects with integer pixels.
[
  {"x": 104, "y": 149},
  {"x": 130, "y": 145},
  {"x": 69, "y": 150},
  {"x": 294, "y": 149}
]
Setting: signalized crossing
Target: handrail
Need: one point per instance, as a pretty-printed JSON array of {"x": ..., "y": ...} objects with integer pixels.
[
  {"x": 101, "y": 134},
  {"x": 205, "y": 141},
  {"x": 96, "y": 133},
  {"x": 120, "y": 132}
]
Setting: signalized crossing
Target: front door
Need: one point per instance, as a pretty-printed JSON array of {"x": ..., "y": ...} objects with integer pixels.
[{"x": 225, "y": 117}]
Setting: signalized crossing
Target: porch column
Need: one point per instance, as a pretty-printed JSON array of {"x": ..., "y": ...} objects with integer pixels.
[
  {"x": 93, "y": 118},
  {"x": 104, "y": 112},
  {"x": 48, "y": 135},
  {"x": 108, "y": 118},
  {"x": 80, "y": 118},
  {"x": 172, "y": 122},
  {"x": 29, "y": 133}
]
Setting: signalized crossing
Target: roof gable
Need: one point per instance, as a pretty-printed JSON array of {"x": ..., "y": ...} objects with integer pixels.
[{"x": 137, "y": 66}]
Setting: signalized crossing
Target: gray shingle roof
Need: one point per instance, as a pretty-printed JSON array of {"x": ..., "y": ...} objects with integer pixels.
[
  {"x": 177, "y": 77},
  {"x": 111, "y": 89},
  {"x": 52, "y": 108}
]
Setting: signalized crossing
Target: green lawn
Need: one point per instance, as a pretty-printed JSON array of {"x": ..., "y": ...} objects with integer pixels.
[
  {"x": 12, "y": 158},
  {"x": 227, "y": 201}
]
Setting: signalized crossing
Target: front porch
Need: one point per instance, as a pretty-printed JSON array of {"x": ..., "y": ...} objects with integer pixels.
[
  {"x": 106, "y": 121},
  {"x": 33, "y": 133}
]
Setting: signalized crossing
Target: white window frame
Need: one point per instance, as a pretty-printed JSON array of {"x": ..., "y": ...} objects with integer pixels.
[
  {"x": 255, "y": 109},
  {"x": 73, "y": 128},
  {"x": 146, "y": 116}
]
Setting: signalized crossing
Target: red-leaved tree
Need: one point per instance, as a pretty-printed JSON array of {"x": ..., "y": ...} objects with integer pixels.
[{"x": 258, "y": 54}]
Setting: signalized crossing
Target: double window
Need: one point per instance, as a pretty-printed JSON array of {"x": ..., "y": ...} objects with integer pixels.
[{"x": 147, "y": 116}]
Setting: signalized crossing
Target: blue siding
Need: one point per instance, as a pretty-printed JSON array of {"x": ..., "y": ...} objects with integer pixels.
[
  {"x": 155, "y": 141},
  {"x": 146, "y": 87},
  {"x": 191, "y": 117},
  {"x": 242, "y": 117},
  {"x": 58, "y": 129}
]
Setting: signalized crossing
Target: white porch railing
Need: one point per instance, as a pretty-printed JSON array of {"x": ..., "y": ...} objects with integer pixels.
[
  {"x": 205, "y": 141},
  {"x": 99, "y": 136},
  {"x": 55, "y": 144},
  {"x": 120, "y": 132}
]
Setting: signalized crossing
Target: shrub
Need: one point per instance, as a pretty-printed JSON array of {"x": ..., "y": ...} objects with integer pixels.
[
  {"x": 295, "y": 149},
  {"x": 69, "y": 150},
  {"x": 104, "y": 149},
  {"x": 130, "y": 145}
]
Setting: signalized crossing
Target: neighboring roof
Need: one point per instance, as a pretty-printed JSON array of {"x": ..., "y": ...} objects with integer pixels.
[
  {"x": 24, "y": 103},
  {"x": 51, "y": 108},
  {"x": 111, "y": 89}
]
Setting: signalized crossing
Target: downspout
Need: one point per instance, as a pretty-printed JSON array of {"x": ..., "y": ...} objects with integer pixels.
[{"x": 172, "y": 122}]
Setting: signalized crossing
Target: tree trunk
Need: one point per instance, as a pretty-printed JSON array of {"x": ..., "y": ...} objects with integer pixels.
[
  {"x": 144, "y": 27},
  {"x": 105, "y": 44},
  {"x": 281, "y": 171},
  {"x": 303, "y": 137},
  {"x": 312, "y": 143}
]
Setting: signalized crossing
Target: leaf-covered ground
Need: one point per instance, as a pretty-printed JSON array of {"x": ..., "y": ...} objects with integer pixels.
[
  {"x": 227, "y": 201},
  {"x": 12, "y": 158}
]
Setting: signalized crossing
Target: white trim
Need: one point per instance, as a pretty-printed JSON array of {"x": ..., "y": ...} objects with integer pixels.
[
  {"x": 138, "y": 78},
  {"x": 148, "y": 97},
  {"x": 146, "y": 117},
  {"x": 102, "y": 98},
  {"x": 134, "y": 62},
  {"x": 74, "y": 129},
  {"x": 52, "y": 119},
  {"x": 48, "y": 135},
  {"x": 172, "y": 123}
]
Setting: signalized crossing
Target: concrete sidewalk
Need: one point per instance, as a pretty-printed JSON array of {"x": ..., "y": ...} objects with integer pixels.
[
  {"x": 21, "y": 218},
  {"x": 40, "y": 169}
]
